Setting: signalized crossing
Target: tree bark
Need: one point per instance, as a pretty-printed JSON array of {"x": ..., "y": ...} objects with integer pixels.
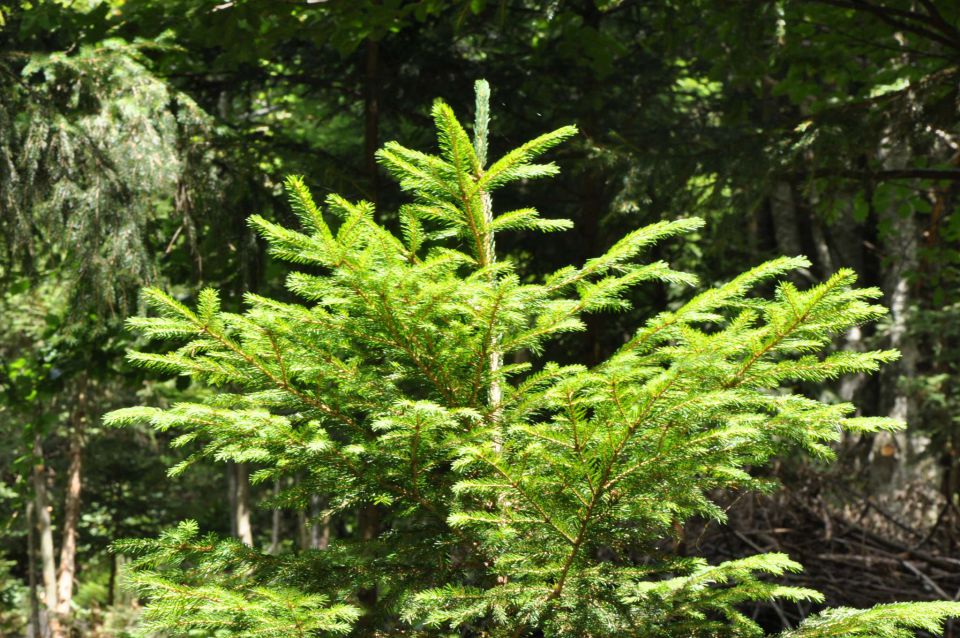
[
  {"x": 892, "y": 452},
  {"x": 45, "y": 529},
  {"x": 320, "y": 528},
  {"x": 275, "y": 521},
  {"x": 368, "y": 519},
  {"x": 303, "y": 533},
  {"x": 112, "y": 582},
  {"x": 303, "y": 525},
  {"x": 786, "y": 229},
  {"x": 593, "y": 206},
  {"x": 241, "y": 512},
  {"x": 369, "y": 528},
  {"x": 371, "y": 113},
  {"x": 232, "y": 497},
  {"x": 34, "y": 630},
  {"x": 71, "y": 508}
]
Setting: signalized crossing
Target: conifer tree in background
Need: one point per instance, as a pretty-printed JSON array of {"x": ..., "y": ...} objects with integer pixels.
[{"x": 514, "y": 496}]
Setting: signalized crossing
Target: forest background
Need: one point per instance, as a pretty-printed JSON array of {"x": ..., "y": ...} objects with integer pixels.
[{"x": 137, "y": 136}]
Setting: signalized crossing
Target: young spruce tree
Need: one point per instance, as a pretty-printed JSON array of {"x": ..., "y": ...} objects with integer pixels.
[{"x": 478, "y": 496}]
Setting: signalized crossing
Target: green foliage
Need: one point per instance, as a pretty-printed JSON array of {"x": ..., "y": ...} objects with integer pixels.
[
  {"x": 206, "y": 584},
  {"x": 12, "y": 601},
  {"x": 540, "y": 508},
  {"x": 691, "y": 604},
  {"x": 897, "y": 620},
  {"x": 93, "y": 146}
]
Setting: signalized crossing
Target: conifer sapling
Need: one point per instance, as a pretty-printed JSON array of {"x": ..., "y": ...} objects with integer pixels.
[{"x": 514, "y": 498}]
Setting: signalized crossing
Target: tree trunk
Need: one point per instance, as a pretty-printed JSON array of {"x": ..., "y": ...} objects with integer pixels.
[
  {"x": 275, "y": 522},
  {"x": 371, "y": 112},
  {"x": 241, "y": 511},
  {"x": 368, "y": 517},
  {"x": 593, "y": 206},
  {"x": 112, "y": 582},
  {"x": 786, "y": 229},
  {"x": 122, "y": 597},
  {"x": 320, "y": 528},
  {"x": 232, "y": 497},
  {"x": 892, "y": 452},
  {"x": 33, "y": 630},
  {"x": 45, "y": 528},
  {"x": 369, "y": 528},
  {"x": 825, "y": 260},
  {"x": 303, "y": 533},
  {"x": 71, "y": 507},
  {"x": 313, "y": 530}
]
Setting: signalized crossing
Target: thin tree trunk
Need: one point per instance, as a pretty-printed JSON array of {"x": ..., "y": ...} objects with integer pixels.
[
  {"x": 34, "y": 630},
  {"x": 242, "y": 507},
  {"x": 275, "y": 521},
  {"x": 786, "y": 229},
  {"x": 121, "y": 594},
  {"x": 303, "y": 534},
  {"x": 320, "y": 529},
  {"x": 371, "y": 112},
  {"x": 481, "y": 131},
  {"x": 495, "y": 394},
  {"x": 303, "y": 530},
  {"x": 232, "y": 497},
  {"x": 593, "y": 205},
  {"x": 369, "y": 528},
  {"x": 71, "y": 507},
  {"x": 825, "y": 258},
  {"x": 368, "y": 517},
  {"x": 892, "y": 452},
  {"x": 45, "y": 529},
  {"x": 112, "y": 582}
]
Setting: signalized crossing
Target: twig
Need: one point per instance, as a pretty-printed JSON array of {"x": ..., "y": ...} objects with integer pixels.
[{"x": 926, "y": 579}]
